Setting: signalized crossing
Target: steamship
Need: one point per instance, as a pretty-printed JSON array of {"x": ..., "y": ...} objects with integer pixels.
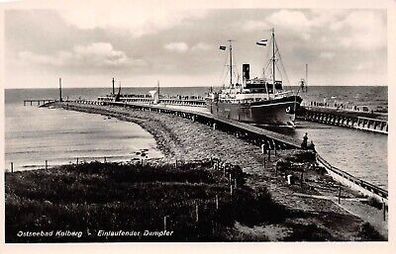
[{"x": 261, "y": 101}]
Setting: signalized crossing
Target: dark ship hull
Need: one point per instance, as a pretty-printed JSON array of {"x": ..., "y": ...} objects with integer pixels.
[{"x": 279, "y": 112}]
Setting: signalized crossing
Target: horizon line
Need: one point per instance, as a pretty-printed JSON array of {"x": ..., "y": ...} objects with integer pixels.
[{"x": 176, "y": 86}]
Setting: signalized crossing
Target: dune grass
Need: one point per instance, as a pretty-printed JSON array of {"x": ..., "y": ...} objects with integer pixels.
[{"x": 108, "y": 196}]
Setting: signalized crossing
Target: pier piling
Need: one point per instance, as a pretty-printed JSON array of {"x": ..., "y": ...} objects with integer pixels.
[{"x": 347, "y": 119}]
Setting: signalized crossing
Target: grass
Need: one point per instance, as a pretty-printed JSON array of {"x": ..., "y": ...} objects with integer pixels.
[
  {"x": 133, "y": 197},
  {"x": 109, "y": 196}
]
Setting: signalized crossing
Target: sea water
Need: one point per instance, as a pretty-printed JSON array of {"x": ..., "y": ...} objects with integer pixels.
[{"x": 33, "y": 135}]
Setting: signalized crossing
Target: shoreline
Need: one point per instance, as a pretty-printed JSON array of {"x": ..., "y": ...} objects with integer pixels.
[{"x": 181, "y": 139}]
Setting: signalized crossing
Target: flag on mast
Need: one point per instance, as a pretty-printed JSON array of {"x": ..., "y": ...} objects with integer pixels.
[
  {"x": 222, "y": 47},
  {"x": 262, "y": 42}
]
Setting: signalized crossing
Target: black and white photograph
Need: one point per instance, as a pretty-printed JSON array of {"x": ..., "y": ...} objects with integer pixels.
[{"x": 174, "y": 122}]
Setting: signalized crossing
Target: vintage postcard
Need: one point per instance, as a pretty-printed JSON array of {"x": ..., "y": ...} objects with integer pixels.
[{"x": 215, "y": 125}]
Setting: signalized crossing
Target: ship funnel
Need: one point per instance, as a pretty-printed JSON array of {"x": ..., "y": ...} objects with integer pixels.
[{"x": 245, "y": 72}]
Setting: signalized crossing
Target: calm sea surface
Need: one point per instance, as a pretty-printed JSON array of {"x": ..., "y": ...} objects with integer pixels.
[{"x": 34, "y": 134}]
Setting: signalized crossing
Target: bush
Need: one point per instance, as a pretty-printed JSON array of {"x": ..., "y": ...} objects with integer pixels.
[
  {"x": 375, "y": 202},
  {"x": 368, "y": 233},
  {"x": 302, "y": 156}
]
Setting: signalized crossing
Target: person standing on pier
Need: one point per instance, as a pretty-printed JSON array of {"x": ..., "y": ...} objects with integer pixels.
[
  {"x": 311, "y": 146},
  {"x": 304, "y": 144}
]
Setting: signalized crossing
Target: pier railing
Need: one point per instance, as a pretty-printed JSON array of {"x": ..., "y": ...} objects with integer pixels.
[{"x": 363, "y": 184}]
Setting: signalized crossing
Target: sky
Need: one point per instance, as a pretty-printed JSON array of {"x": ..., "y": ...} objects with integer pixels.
[{"x": 180, "y": 47}]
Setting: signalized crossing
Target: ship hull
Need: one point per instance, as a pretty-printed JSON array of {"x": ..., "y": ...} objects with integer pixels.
[{"x": 279, "y": 112}]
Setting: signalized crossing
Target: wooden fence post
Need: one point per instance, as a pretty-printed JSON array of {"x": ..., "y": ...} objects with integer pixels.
[
  {"x": 165, "y": 217},
  {"x": 104, "y": 159},
  {"x": 46, "y": 164},
  {"x": 263, "y": 160},
  {"x": 302, "y": 179},
  {"x": 339, "y": 195},
  {"x": 196, "y": 213},
  {"x": 217, "y": 202},
  {"x": 384, "y": 209},
  {"x": 12, "y": 167},
  {"x": 77, "y": 161}
]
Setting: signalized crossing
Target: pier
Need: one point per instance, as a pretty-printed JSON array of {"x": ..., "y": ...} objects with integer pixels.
[
  {"x": 188, "y": 102},
  {"x": 269, "y": 142},
  {"x": 359, "y": 120},
  {"x": 38, "y": 102},
  {"x": 371, "y": 122}
]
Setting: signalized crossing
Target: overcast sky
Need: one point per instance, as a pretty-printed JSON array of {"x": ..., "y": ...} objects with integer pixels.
[{"x": 181, "y": 47}]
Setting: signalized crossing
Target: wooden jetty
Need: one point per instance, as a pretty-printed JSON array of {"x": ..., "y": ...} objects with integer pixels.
[
  {"x": 37, "y": 102},
  {"x": 370, "y": 122}
]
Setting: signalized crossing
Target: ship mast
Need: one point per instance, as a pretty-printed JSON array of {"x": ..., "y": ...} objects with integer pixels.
[
  {"x": 230, "y": 41},
  {"x": 306, "y": 77},
  {"x": 273, "y": 58}
]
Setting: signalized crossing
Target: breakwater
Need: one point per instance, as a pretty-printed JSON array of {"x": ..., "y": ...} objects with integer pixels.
[
  {"x": 269, "y": 141},
  {"x": 372, "y": 122},
  {"x": 181, "y": 137}
]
